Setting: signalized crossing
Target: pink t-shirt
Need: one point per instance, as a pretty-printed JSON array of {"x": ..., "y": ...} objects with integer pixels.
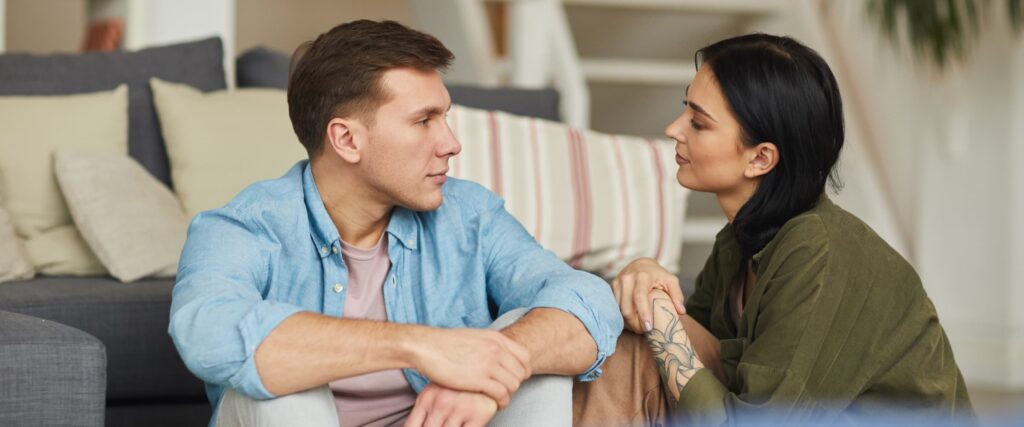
[{"x": 382, "y": 398}]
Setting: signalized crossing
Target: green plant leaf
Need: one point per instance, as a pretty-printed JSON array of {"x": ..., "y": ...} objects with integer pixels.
[{"x": 939, "y": 31}]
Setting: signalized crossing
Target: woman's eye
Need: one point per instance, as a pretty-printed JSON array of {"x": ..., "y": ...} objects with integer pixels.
[{"x": 696, "y": 125}]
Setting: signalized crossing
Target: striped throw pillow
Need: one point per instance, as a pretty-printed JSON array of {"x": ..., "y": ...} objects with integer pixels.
[{"x": 597, "y": 201}]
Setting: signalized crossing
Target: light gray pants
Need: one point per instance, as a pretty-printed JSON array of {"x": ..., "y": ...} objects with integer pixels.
[{"x": 543, "y": 400}]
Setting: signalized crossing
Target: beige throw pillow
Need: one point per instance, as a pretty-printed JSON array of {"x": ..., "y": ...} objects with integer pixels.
[
  {"x": 131, "y": 221},
  {"x": 31, "y": 128},
  {"x": 221, "y": 142},
  {"x": 14, "y": 263}
]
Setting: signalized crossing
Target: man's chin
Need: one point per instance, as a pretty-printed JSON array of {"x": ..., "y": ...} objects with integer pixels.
[{"x": 425, "y": 204}]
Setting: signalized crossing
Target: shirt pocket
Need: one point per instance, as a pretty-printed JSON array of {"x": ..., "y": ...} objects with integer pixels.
[
  {"x": 761, "y": 385},
  {"x": 732, "y": 352}
]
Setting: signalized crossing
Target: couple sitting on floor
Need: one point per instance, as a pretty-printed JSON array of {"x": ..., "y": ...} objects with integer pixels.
[{"x": 364, "y": 287}]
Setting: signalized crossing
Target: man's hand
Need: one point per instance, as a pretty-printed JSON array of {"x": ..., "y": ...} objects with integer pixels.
[
  {"x": 473, "y": 360},
  {"x": 438, "y": 406},
  {"x": 633, "y": 289}
]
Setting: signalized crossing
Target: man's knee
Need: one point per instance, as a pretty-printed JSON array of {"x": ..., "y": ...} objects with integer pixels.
[
  {"x": 541, "y": 400},
  {"x": 313, "y": 407}
]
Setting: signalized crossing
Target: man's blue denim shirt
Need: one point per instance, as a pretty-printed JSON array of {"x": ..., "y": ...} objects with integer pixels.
[{"x": 273, "y": 251}]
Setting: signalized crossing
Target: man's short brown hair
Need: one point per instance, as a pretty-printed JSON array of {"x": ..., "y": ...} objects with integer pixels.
[{"x": 339, "y": 73}]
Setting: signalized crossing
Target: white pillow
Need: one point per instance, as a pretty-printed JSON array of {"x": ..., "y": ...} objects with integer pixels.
[
  {"x": 131, "y": 221},
  {"x": 221, "y": 142},
  {"x": 14, "y": 263},
  {"x": 597, "y": 201},
  {"x": 31, "y": 128}
]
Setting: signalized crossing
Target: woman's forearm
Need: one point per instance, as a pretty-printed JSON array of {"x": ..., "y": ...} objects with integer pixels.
[{"x": 674, "y": 353}]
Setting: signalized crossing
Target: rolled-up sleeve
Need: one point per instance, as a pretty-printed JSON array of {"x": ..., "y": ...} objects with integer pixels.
[
  {"x": 218, "y": 314},
  {"x": 521, "y": 273}
]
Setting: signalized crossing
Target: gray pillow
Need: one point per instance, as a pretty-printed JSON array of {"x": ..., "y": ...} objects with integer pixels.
[
  {"x": 262, "y": 67},
  {"x": 198, "y": 64}
]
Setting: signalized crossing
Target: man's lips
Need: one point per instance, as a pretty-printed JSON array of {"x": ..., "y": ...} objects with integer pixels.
[{"x": 439, "y": 178}]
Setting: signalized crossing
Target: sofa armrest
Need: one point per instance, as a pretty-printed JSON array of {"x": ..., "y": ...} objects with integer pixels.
[{"x": 50, "y": 374}]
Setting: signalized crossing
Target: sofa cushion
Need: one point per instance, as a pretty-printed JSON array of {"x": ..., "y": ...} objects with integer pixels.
[
  {"x": 130, "y": 320},
  {"x": 14, "y": 262},
  {"x": 51, "y": 374},
  {"x": 221, "y": 142},
  {"x": 198, "y": 64},
  {"x": 132, "y": 222},
  {"x": 597, "y": 201},
  {"x": 31, "y": 128},
  {"x": 538, "y": 103},
  {"x": 262, "y": 67}
]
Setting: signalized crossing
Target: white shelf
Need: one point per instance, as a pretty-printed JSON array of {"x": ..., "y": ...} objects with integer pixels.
[
  {"x": 702, "y": 229},
  {"x": 642, "y": 71},
  {"x": 749, "y": 7}
]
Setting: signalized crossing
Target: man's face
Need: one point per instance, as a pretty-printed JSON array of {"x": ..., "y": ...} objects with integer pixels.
[{"x": 408, "y": 146}]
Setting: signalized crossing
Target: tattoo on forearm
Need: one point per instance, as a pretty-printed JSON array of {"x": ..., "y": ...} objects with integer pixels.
[{"x": 676, "y": 358}]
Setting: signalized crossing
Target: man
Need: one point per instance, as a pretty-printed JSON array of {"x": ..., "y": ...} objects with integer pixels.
[{"x": 366, "y": 269}]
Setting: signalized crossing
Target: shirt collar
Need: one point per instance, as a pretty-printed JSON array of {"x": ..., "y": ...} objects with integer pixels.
[
  {"x": 404, "y": 224},
  {"x": 322, "y": 229},
  {"x": 823, "y": 202}
]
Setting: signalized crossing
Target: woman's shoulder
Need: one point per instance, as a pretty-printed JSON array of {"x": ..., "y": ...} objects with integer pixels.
[
  {"x": 830, "y": 234},
  {"x": 829, "y": 224}
]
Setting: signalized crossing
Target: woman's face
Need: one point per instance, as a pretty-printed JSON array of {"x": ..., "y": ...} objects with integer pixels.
[{"x": 709, "y": 146}]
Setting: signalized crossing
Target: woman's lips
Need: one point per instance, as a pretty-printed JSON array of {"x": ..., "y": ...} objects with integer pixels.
[{"x": 680, "y": 160}]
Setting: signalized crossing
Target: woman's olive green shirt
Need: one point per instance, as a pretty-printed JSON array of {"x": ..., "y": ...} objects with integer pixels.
[{"x": 837, "y": 327}]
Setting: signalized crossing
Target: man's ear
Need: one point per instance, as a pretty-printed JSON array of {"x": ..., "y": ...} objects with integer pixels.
[
  {"x": 765, "y": 156},
  {"x": 343, "y": 139}
]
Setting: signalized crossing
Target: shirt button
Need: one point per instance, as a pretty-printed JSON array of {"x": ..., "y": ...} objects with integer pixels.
[
  {"x": 410, "y": 242},
  {"x": 323, "y": 249},
  {"x": 337, "y": 288},
  {"x": 334, "y": 249}
]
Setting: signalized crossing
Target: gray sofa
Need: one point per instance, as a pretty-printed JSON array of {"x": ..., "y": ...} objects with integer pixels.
[
  {"x": 50, "y": 374},
  {"x": 58, "y": 370}
]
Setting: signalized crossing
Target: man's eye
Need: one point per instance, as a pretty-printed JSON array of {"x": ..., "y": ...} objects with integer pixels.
[{"x": 423, "y": 122}]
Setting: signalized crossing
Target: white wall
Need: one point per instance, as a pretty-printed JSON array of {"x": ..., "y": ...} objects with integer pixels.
[
  {"x": 43, "y": 26},
  {"x": 1016, "y": 283},
  {"x": 967, "y": 231},
  {"x": 3, "y": 24},
  {"x": 172, "y": 21},
  {"x": 283, "y": 25}
]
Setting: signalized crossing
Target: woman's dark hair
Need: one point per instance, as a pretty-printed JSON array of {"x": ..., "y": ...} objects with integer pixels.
[{"x": 780, "y": 92}]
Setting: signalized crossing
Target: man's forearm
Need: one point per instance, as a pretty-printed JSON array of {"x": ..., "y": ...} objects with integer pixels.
[
  {"x": 557, "y": 341},
  {"x": 309, "y": 350}
]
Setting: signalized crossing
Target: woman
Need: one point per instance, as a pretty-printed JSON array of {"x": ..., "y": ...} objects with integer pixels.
[{"x": 801, "y": 313}]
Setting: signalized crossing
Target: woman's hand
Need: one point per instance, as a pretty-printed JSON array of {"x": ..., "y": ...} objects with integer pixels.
[{"x": 633, "y": 291}]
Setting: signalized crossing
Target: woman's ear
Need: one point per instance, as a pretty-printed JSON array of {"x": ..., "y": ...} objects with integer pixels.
[
  {"x": 342, "y": 140},
  {"x": 763, "y": 159}
]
